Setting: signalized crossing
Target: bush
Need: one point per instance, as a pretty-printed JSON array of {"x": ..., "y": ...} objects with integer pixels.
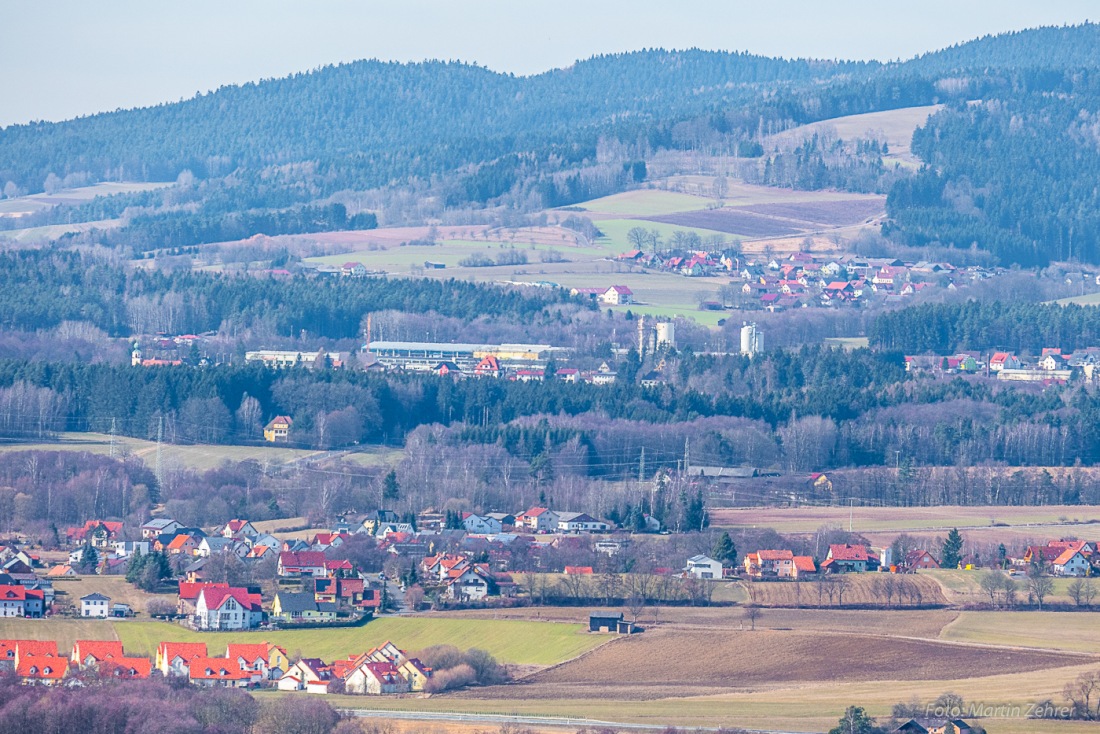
[
  {"x": 448, "y": 680},
  {"x": 444, "y": 659}
]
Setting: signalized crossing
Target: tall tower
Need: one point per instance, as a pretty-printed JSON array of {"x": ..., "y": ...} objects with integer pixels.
[{"x": 752, "y": 341}]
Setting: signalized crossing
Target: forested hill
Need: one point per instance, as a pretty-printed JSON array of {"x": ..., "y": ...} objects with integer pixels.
[
  {"x": 388, "y": 120},
  {"x": 1011, "y": 160}
]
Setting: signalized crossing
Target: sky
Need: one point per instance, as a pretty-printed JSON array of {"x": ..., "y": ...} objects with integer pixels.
[{"x": 66, "y": 58}]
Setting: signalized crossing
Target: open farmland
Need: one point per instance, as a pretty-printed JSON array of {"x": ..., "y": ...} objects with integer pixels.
[
  {"x": 194, "y": 456},
  {"x": 895, "y": 127},
  {"x": 735, "y": 222},
  {"x": 887, "y": 520},
  {"x": 518, "y": 642},
  {"x": 1073, "y": 631},
  {"x": 645, "y": 203},
  {"x": 858, "y": 590}
]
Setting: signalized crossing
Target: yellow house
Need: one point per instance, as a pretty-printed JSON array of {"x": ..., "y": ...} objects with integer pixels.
[{"x": 278, "y": 429}]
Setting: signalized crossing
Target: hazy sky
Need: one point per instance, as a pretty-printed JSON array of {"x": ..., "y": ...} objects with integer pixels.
[{"x": 65, "y": 58}]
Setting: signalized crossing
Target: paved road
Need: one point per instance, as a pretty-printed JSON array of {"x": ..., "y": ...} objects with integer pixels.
[{"x": 529, "y": 720}]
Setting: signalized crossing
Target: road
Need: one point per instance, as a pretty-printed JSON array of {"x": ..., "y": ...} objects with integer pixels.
[{"x": 530, "y": 720}]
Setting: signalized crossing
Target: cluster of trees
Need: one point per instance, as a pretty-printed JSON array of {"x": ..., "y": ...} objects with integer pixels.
[
  {"x": 946, "y": 328},
  {"x": 41, "y": 289}
]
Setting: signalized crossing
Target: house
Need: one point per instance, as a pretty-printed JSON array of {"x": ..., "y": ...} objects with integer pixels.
[
  {"x": 307, "y": 674},
  {"x": 504, "y": 518},
  {"x": 373, "y": 522},
  {"x": 262, "y": 657},
  {"x": 804, "y": 566},
  {"x": 770, "y": 563},
  {"x": 1071, "y": 562},
  {"x": 220, "y": 673},
  {"x": 42, "y": 670},
  {"x": 86, "y": 653},
  {"x": 227, "y": 608},
  {"x": 127, "y": 548},
  {"x": 481, "y": 524},
  {"x": 189, "y": 595},
  {"x": 537, "y": 520},
  {"x": 302, "y": 563},
  {"x": 1004, "y": 361},
  {"x": 96, "y": 533},
  {"x": 95, "y": 605},
  {"x": 703, "y": 567},
  {"x": 844, "y": 558},
  {"x": 174, "y": 658},
  {"x": 63, "y": 570},
  {"x": 919, "y": 558},
  {"x": 579, "y": 522},
  {"x": 469, "y": 583},
  {"x": 278, "y": 429},
  {"x": 238, "y": 530},
  {"x": 489, "y": 366},
  {"x": 617, "y": 295},
  {"x": 292, "y": 606},
  {"x": 216, "y": 546},
  {"x": 353, "y": 270},
  {"x": 17, "y": 600},
  {"x": 158, "y": 526},
  {"x": 607, "y": 622},
  {"x": 374, "y": 678},
  {"x": 933, "y": 726},
  {"x": 185, "y": 545},
  {"x": 324, "y": 541}
]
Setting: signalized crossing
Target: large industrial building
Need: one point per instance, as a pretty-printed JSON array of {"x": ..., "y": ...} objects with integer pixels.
[{"x": 426, "y": 355}]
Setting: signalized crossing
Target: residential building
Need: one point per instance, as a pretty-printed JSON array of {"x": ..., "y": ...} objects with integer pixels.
[
  {"x": 231, "y": 608},
  {"x": 86, "y": 653},
  {"x": 278, "y": 429},
  {"x": 174, "y": 658},
  {"x": 847, "y": 559},
  {"x": 158, "y": 526},
  {"x": 301, "y": 607},
  {"x": 703, "y": 567},
  {"x": 95, "y": 605},
  {"x": 481, "y": 524},
  {"x": 538, "y": 520},
  {"x": 579, "y": 522},
  {"x": 617, "y": 295},
  {"x": 220, "y": 673},
  {"x": 17, "y": 600},
  {"x": 302, "y": 563},
  {"x": 265, "y": 658}
]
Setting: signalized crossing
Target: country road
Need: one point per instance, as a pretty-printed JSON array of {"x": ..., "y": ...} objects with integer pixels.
[{"x": 532, "y": 720}]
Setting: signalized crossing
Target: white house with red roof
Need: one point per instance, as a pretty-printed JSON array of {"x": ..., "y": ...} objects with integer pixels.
[
  {"x": 174, "y": 658},
  {"x": 232, "y": 608},
  {"x": 238, "y": 530},
  {"x": 1003, "y": 361},
  {"x": 617, "y": 295},
  {"x": 538, "y": 519},
  {"x": 220, "y": 673},
  {"x": 844, "y": 558},
  {"x": 1071, "y": 561},
  {"x": 302, "y": 563}
]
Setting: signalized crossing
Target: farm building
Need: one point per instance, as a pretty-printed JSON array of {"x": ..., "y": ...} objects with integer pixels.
[{"x": 607, "y": 622}]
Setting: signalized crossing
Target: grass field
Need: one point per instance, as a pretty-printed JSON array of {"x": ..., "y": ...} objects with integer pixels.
[
  {"x": 1089, "y": 299},
  {"x": 524, "y": 643},
  {"x": 646, "y": 203},
  {"x": 199, "y": 456},
  {"x": 1073, "y": 631},
  {"x": 894, "y": 126},
  {"x": 963, "y": 587}
]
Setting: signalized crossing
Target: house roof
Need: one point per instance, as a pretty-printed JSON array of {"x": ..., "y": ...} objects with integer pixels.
[
  {"x": 846, "y": 552},
  {"x": 98, "y": 649},
  {"x": 302, "y": 559},
  {"x": 1066, "y": 557},
  {"x": 296, "y": 601},
  {"x": 805, "y": 564},
  {"x": 95, "y": 596},
  {"x": 159, "y": 523},
  {"x": 215, "y": 597},
  {"x": 775, "y": 555},
  {"x": 248, "y": 651},
  {"x": 42, "y": 668},
  {"x": 126, "y": 667},
  {"x": 190, "y": 591},
  {"x": 217, "y": 669},
  {"x": 179, "y": 541},
  {"x": 622, "y": 290},
  {"x": 184, "y": 650}
]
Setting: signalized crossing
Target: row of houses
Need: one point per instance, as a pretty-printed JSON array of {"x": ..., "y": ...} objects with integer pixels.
[
  {"x": 382, "y": 670},
  {"x": 1051, "y": 365}
]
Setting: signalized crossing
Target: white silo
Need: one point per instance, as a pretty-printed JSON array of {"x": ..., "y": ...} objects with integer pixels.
[
  {"x": 751, "y": 339},
  {"x": 666, "y": 334}
]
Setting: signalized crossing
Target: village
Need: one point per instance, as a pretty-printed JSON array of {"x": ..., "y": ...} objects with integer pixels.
[{"x": 450, "y": 560}]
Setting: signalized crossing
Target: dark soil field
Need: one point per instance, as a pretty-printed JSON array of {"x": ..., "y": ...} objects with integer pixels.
[
  {"x": 735, "y": 221},
  {"x": 664, "y": 663},
  {"x": 828, "y": 213}
]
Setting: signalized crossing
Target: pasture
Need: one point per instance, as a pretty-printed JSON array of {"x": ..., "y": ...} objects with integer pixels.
[
  {"x": 895, "y": 127},
  {"x": 195, "y": 456},
  {"x": 645, "y": 203},
  {"x": 510, "y": 641}
]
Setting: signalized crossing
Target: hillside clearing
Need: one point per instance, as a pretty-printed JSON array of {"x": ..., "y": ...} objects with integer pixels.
[{"x": 895, "y": 127}]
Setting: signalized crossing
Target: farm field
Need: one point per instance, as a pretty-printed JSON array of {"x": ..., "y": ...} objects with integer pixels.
[
  {"x": 199, "y": 456},
  {"x": 908, "y": 590},
  {"x": 1073, "y": 631},
  {"x": 69, "y": 590},
  {"x": 894, "y": 520},
  {"x": 38, "y": 202},
  {"x": 1089, "y": 299},
  {"x": 646, "y": 203},
  {"x": 894, "y": 126},
  {"x": 963, "y": 587},
  {"x": 523, "y": 643}
]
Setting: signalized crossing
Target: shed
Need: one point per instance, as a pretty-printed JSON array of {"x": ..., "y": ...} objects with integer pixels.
[{"x": 607, "y": 622}]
